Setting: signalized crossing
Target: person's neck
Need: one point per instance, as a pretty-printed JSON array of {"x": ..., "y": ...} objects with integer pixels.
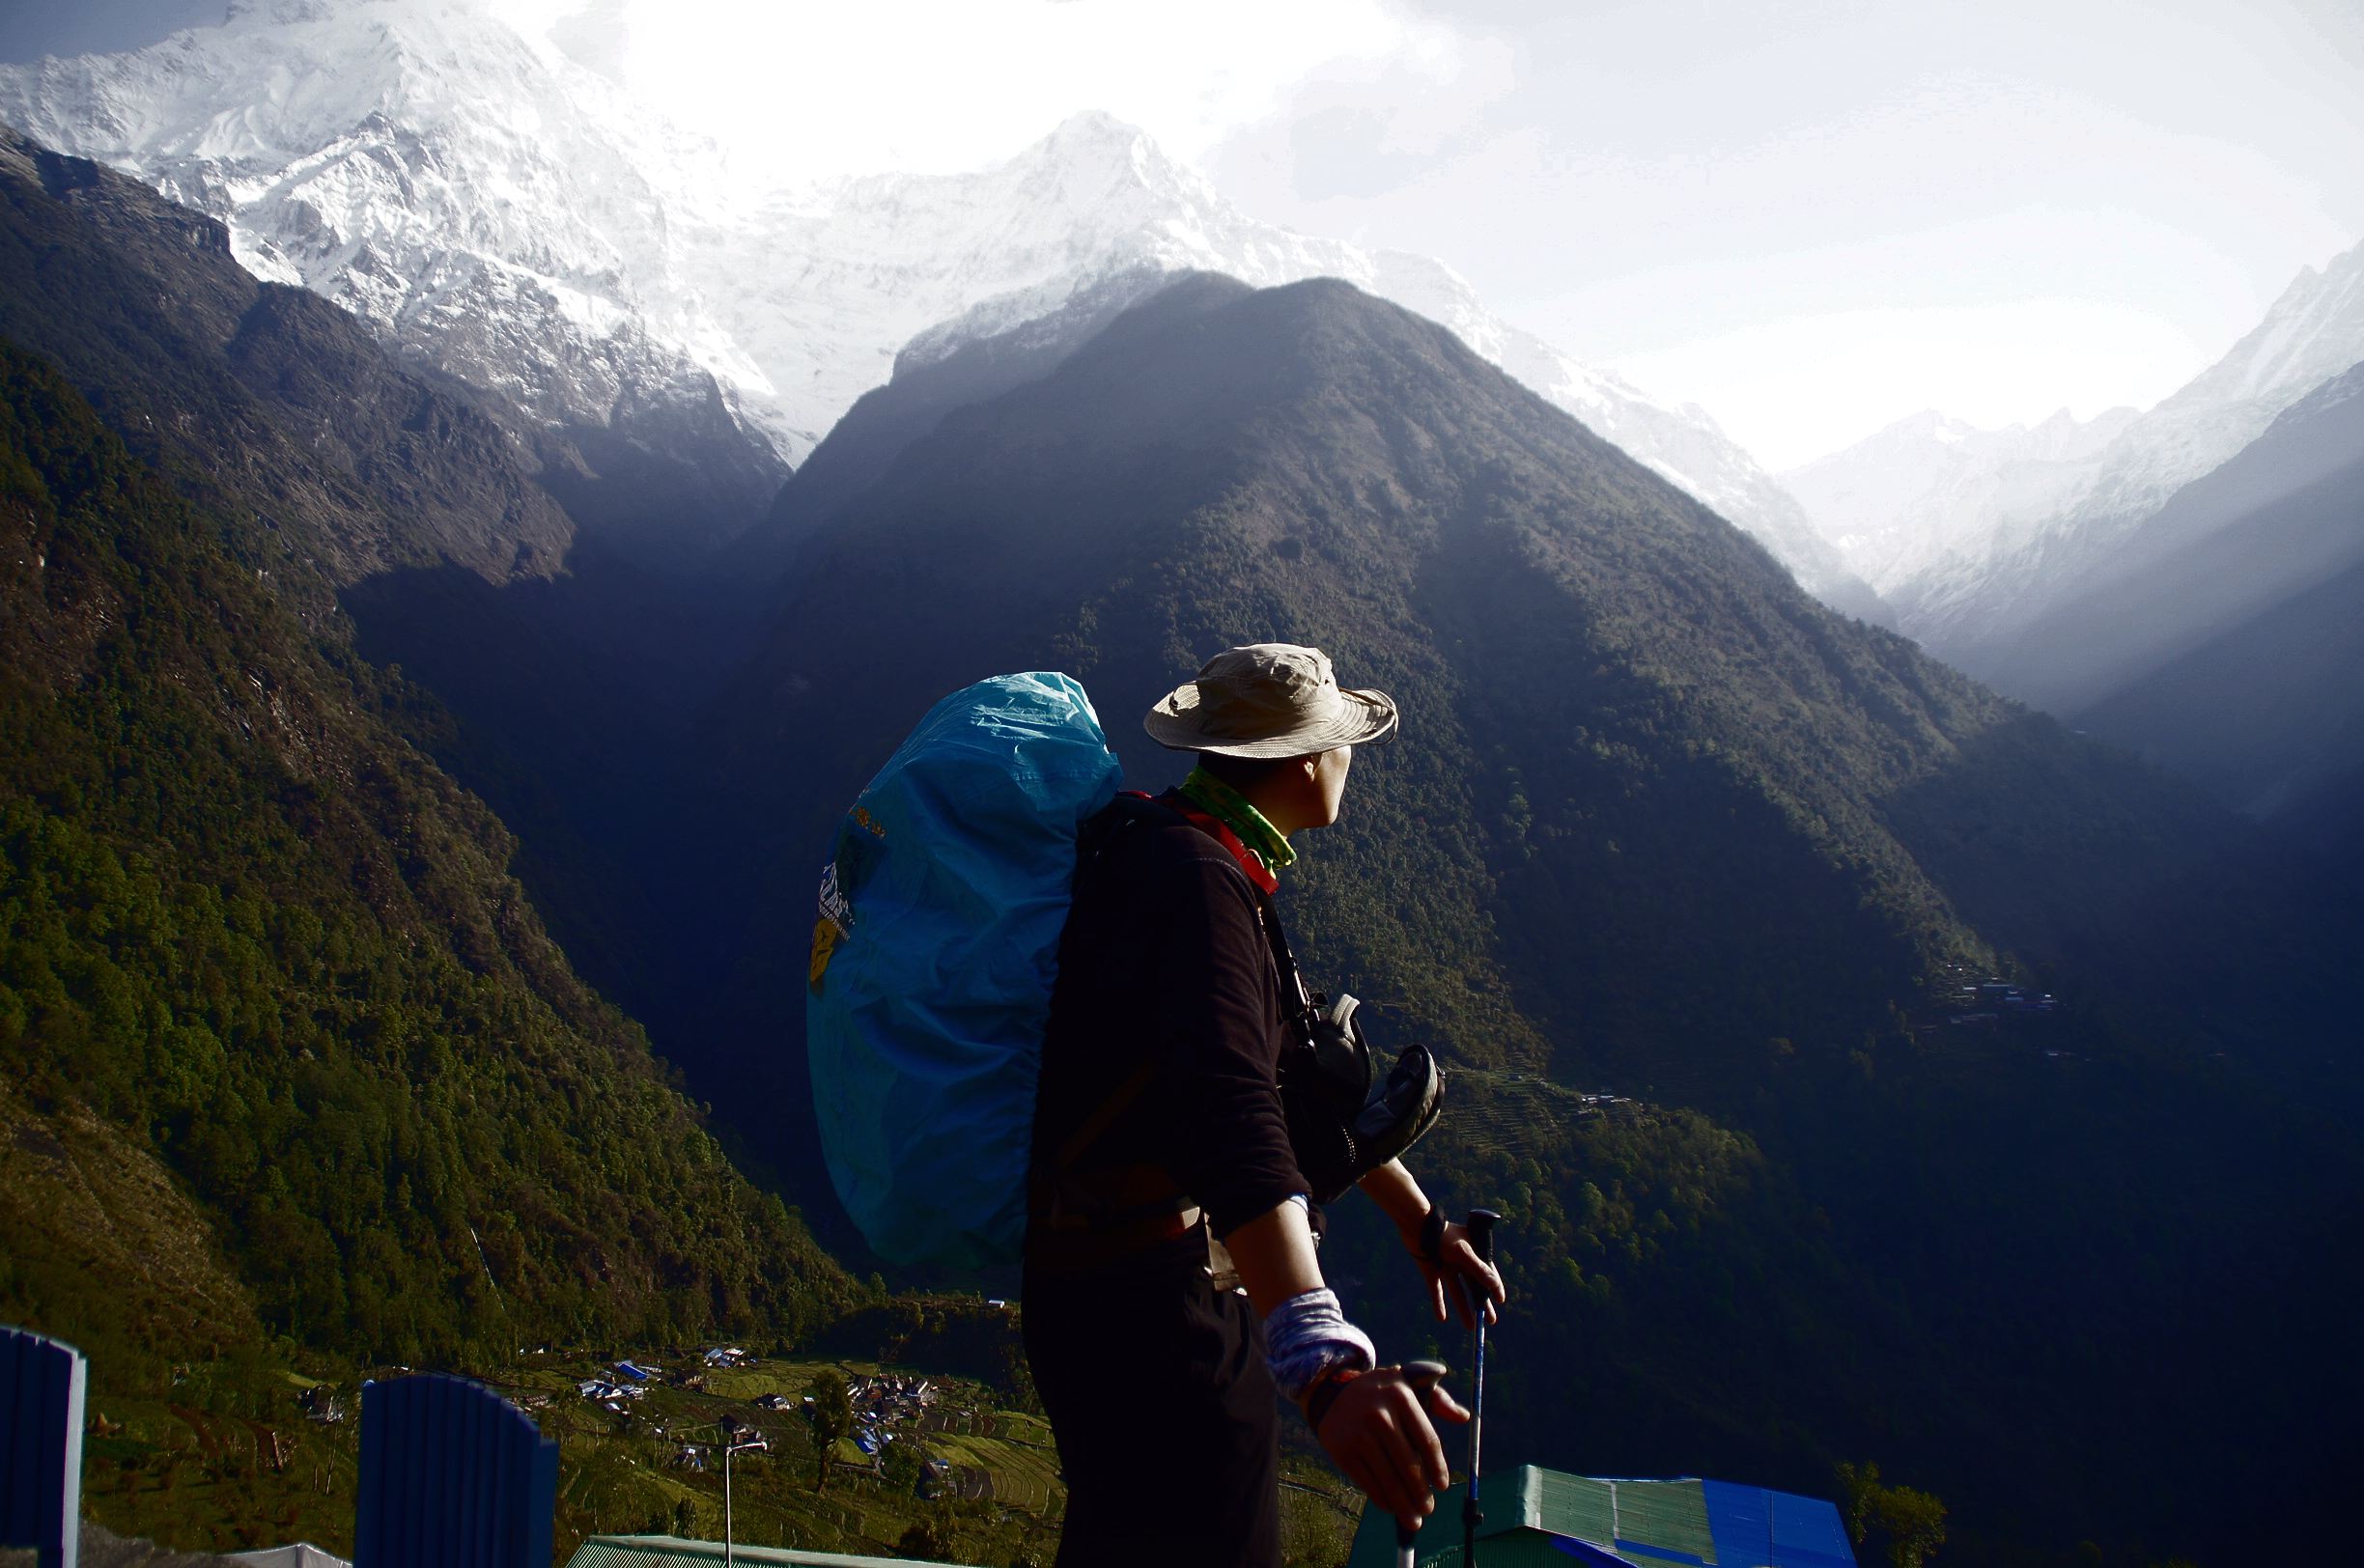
[
  {"x": 1240, "y": 811},
  {"x": 1274, "y": 807}
]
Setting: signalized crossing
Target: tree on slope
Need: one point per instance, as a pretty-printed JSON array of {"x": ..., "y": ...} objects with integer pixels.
[
  {"x": 832, "y": 1413},
  {"x": 1909, "y": 1522}
]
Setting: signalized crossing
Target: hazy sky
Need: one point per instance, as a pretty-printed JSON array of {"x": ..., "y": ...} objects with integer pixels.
[{"x": 1811, "y": 216}]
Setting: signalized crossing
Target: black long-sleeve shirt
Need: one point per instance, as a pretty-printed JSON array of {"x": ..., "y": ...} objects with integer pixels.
[{"x": 1164, "y": 961}]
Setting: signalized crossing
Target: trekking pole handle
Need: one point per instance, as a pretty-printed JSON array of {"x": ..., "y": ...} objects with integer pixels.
[
  {"x": 1481, "y": 1225},
  {"x": 1423, "y": 1377}
]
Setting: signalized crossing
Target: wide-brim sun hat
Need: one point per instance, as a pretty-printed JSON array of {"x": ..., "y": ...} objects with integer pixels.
[{"x": 1269, "y": 699}]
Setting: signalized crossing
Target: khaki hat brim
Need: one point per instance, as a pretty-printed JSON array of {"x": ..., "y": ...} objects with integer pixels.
[{"x": 1365, "y": 719}]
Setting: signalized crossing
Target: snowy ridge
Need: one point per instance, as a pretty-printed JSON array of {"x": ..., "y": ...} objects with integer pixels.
[
  {"x": 399, "y": 157},
  {"x": 1900, "y": 499},
  {"x": 1968, "y": 601}
]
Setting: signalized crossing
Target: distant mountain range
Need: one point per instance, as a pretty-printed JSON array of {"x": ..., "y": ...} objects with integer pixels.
[
  {"x": 1977, "y": 536},
  {"x": 651, "y": 303},
  {"x": 1903, "y": 498},
  {"x": 2186, "y": 581},
  {"x": 2232, "y": 650}
]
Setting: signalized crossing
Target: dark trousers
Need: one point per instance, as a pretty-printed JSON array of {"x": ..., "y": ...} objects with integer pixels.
[{"x": 1166, "y": 1417}]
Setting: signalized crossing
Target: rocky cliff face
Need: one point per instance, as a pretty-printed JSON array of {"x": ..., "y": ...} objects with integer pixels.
[{"x": 263, "y": 401}]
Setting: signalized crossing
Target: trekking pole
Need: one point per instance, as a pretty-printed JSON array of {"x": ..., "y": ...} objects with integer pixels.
[
  {"x": 1480, "y": 1227},
  {"x": 1423, "y": 1375}
]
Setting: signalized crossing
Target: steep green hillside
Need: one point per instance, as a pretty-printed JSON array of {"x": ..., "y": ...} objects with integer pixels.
[
  {"x": 300, "y": 1081},
  {"x": 250, "y": 927}
]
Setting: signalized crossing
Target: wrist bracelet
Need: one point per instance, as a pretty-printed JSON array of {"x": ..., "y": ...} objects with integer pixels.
[
  {"x": 1325, "y": 1392},
  {"x": 1433, "y": 1237}
]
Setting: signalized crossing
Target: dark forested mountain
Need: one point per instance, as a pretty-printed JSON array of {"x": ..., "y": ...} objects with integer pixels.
[
  {"x": 1617, "y": 694},
  {"x": 947, "y": 370},
  {"x": 262, "y": 961},
  {"x": 427, "y": 524},
  {"x": 1658, "y": 823},
  {"x": 260, "y": 401}
]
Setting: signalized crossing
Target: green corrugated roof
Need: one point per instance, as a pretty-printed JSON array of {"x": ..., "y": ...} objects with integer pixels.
[
  {"x": 1527, "y": 1506},
  {"x": 1669, "y": 1515},
  {"x": 672, "y": 1551},
  {"x": 1563, "y": 1504}
]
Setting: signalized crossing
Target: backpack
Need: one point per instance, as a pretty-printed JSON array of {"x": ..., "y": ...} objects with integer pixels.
[
  {"x": 932, "y": 963},
  {"x": 929, "y": 986}
]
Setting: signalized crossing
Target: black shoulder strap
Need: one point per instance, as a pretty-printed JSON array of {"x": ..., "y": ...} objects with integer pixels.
[
  {"x": 1292, "y": 981},
  {"x": 1101, "y": 833},
  {"x": 1268, "y": 915}
]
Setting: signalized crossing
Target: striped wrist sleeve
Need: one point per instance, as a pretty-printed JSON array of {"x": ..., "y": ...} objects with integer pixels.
[{"x": 1307, "y": 1335}]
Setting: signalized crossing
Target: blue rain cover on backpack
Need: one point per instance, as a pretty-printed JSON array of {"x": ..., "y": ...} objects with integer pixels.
[{"x": 932, "y": 962}]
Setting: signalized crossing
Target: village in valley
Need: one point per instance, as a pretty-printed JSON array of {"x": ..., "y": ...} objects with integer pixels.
[
  {"x": 1968, "y": 1001},
  {"x": 902, "y": 1448},
  {"x": 814, "y": 1450},
  {"x": 925, "y": 1463},
  {"x": 884, "y": 1406}
]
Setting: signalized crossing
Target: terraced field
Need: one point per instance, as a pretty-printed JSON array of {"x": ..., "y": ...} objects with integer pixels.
[
  {"x": 1003, "y": 1469},
  {"x": 214, "y": 1478},
  {"x": 1516, "y": 1115}
]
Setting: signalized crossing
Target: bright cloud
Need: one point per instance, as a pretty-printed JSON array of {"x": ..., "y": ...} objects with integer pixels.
[
  {"x": 1809, "y": 218},
  {"x": 941, "y": 85},
  {"x": 1782, "y": 389}
]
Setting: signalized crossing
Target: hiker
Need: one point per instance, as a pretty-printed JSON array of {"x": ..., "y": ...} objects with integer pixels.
[{"x": 1171, "y": 1279}]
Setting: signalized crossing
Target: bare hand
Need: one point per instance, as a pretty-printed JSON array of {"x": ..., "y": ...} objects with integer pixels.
[
  {"x": 1457, "y": 1274},
  {"x": 1378, "y": 1434}
]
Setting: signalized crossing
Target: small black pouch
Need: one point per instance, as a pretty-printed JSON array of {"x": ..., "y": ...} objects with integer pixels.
[
  {"x": 1341, "y": 1127},
  {"x": 1325, "y": 1078}
]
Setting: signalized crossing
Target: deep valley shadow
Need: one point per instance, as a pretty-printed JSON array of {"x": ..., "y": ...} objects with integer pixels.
[
  {"x": 568, "y": 704},
  {"x": 2179, "y": 920}
]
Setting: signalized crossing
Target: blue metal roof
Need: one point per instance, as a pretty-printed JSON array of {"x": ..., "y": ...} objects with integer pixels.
[{"x": 1537, "y": 1514}]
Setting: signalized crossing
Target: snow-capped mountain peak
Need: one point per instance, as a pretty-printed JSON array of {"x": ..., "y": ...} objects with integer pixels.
[
  {"x": 2314, "y": 331},
  {"x": 1905, "y": 495},
  {"x": 1973, "y": 534},
  {"x": 490, "y": 203}
]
